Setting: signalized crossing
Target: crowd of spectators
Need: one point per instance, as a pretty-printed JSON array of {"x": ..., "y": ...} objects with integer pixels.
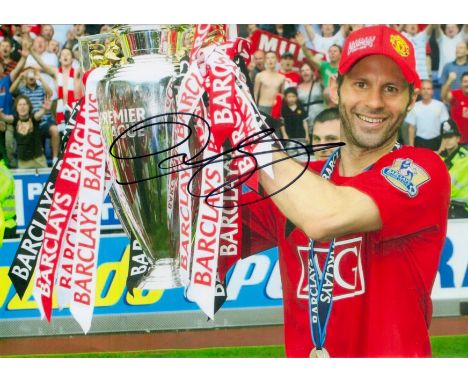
[
  {"x": 439, "y": 120},
  {"x": 39, "y": 81},
  {"x": 40, "y": 78}
]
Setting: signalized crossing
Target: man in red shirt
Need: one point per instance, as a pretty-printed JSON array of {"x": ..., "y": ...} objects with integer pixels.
[
  {"x": 458, "y": 101},
  {"x": 286, "y": 69},
  {"x": 364, "y": 290}
]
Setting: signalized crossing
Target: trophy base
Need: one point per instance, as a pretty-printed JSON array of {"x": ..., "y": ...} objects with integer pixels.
[{"x": 163, "y": 275}]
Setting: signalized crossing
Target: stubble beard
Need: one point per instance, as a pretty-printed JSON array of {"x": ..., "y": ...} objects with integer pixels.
[{"x": 365, "y": 141}]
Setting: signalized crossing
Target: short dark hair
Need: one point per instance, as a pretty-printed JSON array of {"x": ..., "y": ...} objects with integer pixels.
[
  {"x": 340, "y": 48},
  {"x": 8, "y": 41},
  {"x": 463, "y": 75},
  {"x": 290, "y": 90},
  {"x": 326, "y": 115}
]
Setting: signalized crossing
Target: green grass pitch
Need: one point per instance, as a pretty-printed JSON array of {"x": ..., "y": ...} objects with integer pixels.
[{"x": 442, "y": 347}]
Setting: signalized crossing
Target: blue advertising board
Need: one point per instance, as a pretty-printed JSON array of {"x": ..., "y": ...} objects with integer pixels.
[{"x": 28, "y": 188}]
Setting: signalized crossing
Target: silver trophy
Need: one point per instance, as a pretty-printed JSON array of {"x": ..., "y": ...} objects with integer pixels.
[{"x": 138, "y": 130}]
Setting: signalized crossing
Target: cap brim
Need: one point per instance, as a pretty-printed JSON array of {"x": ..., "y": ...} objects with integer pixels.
[{"x": 410, "y": 75}]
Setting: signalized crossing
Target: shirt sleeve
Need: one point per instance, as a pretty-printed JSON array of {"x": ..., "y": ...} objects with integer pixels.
[
  {"x": 445, "y": 73},
  {"x": 259, "y": 224},
  {"x": 444, "y": 115},
  {"x": 423, "y": 36},
  {"x": 411, "y": 118},
  {"x": 410, "y": 188}
]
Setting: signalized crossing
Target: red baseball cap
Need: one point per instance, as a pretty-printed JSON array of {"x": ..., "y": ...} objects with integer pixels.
[{"x": 382, "y": 40}]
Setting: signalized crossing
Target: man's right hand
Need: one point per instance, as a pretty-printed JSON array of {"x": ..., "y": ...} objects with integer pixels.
[
  {"x": 452, "y": 76},
  {"x": 300, "y": 38}
]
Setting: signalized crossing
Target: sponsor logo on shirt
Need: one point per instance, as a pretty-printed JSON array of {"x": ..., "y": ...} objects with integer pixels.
[
  {"x": 400, "y": 45},
  {"x": 406, "y": 176},
  {"x": 361, "y": 43},
  {"x": 349, "y": 277}
]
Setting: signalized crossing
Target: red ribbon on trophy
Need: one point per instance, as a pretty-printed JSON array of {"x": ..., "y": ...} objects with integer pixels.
[{"x": 233, "y": 119}]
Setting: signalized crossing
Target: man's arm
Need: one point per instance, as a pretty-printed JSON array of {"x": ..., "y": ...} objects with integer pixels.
[
  {"x": 257, "y": 87},
  {"x": 438, "y": 31},
  {"x": 344, "y": 30},
  {"x": 5, "y": 117},
  {"x": 316, "y": 206},
  {"x": 310, "y": 31},
  {"x": 45, "y": 106},
  {"x": 411, "y": 134},
  {"x": 283, "y": 131},
  {"x": 306, "y": 129},
  {"x": 78, "y": 91},
  {"x": 44, "y": 84},
  {"x": 313, "y": 60},
  {"x": 46, "y": 68},
  {"x": 429, "y": 29},
  {"x": 446, "y": 92},
  {"x": 14, "y": 86},
  {"x": 20, "y": 65}
]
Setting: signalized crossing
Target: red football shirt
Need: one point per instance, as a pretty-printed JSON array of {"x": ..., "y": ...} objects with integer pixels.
[
  {"x": 459, "y": 112},
  {"x": 292, "y": 79},
  {"x": 383, "y": 279}
]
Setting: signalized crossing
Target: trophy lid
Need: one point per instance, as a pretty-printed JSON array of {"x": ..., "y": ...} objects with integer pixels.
[{"x": 138, "y": 40}]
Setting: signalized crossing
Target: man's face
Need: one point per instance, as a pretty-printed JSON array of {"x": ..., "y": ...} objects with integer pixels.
[
  {"x": 411, "y": 29},
  {"x": 291, "y": 99},
  {"x": 327, "y": 30},
  {"x": 22, "y": 108},
  {"x": 5, "y": 49},
  {"x": 334, "y": 54},
  {"x": 270, "y": 60},
  {"x": 30, "y": 77},
  {"x": 79, "y": 29},
  {"x": 259, "y": 59},
  {"x": 66, "y": 57},
  {"x": 76, "y": 54},
  {"x": 460, "y": 50},
  {"x": 53, "y": 47},
  {"x": 47, "y": 32},
  {"x": 451, "y": 30},
  {"x": 451, "y": 142},
  {"x": 286, "y": 64},
  {"x": 374, "y": 99},
  {"x": 39, "y": 44},
  {"x": 427, "y": 90},
  {"x": 325, "y": 132},
  {"x": 464, "y": 84}
]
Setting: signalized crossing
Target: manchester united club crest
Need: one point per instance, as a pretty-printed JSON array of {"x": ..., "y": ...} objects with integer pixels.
[
  {"x": 400, "y": 45},
  {"x": 406, "y": 175}
]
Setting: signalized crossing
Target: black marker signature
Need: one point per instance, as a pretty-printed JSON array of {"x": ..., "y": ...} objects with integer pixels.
[{"x": 198, "y": 162}]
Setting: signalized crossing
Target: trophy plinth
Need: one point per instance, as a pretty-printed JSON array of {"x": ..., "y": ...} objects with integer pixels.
[{"x": 163, "y": 275}]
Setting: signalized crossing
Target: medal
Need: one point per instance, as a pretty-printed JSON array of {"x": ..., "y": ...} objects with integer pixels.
[{"x": 319, "y": 353}]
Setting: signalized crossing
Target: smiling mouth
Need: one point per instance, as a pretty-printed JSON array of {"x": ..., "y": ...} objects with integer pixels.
[{"x": 369, "y": 119}]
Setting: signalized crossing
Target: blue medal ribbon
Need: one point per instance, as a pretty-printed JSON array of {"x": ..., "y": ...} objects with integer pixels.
[{"x": 321, "y": 286}]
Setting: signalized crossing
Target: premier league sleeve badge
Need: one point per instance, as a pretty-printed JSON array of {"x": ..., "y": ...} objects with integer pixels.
[{"x": 406, "y": 176}]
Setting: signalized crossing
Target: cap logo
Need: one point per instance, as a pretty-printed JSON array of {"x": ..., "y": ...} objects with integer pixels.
[
  {"x": 446, "y": 127},
  {"x": 400, "y": 45},
  {"x": 361, "y": 43}
]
